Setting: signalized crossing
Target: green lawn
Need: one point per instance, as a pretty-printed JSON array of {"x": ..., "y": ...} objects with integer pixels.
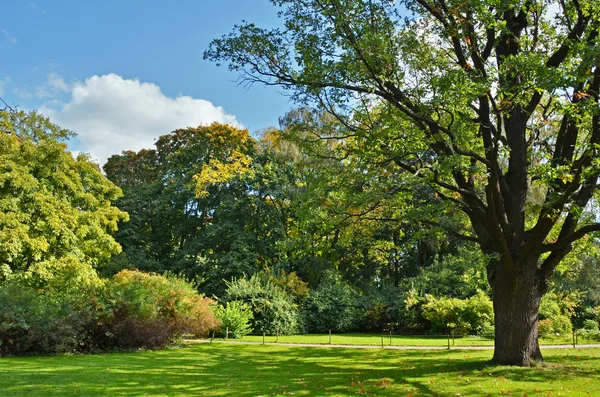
[
  {"x": 396, "y": 340},
  {"x": 270, "y": 370}
]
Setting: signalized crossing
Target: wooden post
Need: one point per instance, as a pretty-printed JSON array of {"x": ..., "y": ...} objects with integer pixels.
[
  {"x": 212, "y": 337},
  {"x": 330, "y": 337},
  {"x": 381, "y": 340},
  {"x": 227, "y": 334},
  {"x": 452, "y": 337},
  {"x": 574, "y": 342},
  {"x": 390, "y": 337},
  {"x": 263, "y": 338},
  {"x": 448, "y": 341}
]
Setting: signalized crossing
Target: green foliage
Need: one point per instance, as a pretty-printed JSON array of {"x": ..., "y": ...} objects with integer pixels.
[
  {"x": 148, "y": 310},
  {"x": 585, "y": 314},
  {"x": 591, "y": 325},
  {"x": 56, "y": 212},
  {"x": 293, "y": 285},
  {"x": 332, "y": 306},
  {"x": 34, "y": 323},
  {"x": 555, "y": 315},
  {"x": 228, "y": 231},
  {"x": 131, "y": 310},
  {"x": 554, "y": 327},
  {"x": 464, "y": 98},
  {"x": 235, "y": 318},
  {"x": 549, "y": 307},
  {"x": 459, "y": 275},
  {"x": 272, "y": 308},
  {"x": 590, "y": 330},
  {"x": 461, "y": 316}
]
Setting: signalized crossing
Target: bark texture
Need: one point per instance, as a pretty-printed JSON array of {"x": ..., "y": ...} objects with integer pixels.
[{"x": 516, "y": 305}]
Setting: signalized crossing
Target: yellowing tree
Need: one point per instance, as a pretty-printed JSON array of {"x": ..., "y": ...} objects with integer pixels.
[{"x": 56, "y": 212}]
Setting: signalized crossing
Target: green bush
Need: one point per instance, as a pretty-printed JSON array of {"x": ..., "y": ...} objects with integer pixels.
[
  {"x": 386, "y": 308},
  {"x": 130, "y": 310},
  {"x": 583, "y": 314},
  {"x": 554, "y": 316},
  {"x": 590, "y": 330},
  {"x": 148, "y": 310},
  {"x": 461, "y": 316},
  {"x": 33, "y": 323},
  {"x": 559, "y": 325},
  {"x": 458, "y": 275},
  {"x": 333, "y": 306},
  {"x": 272, "y": 308},
  {"x": 549, "y": 307},
  {"x": 235, "y": 317},
  {"x": 591, "y": 325}
]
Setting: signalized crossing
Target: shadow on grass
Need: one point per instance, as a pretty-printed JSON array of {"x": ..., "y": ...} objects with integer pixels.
[{"x": 230, "y": 370}]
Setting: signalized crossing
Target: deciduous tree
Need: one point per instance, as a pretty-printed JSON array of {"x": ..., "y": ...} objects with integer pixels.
[
  {"x": 482, "y": 100},
  {"x": 56, "y": 211}
]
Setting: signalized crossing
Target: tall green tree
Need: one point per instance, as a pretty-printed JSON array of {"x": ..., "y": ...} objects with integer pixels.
[
  {"x": 482, "y": 100},
  {"x": 56, "y": 211},
  {"x": 200, "y": 204}
]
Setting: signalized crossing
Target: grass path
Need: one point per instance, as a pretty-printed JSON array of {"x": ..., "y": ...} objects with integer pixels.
[{"x": 221, "y": 369}]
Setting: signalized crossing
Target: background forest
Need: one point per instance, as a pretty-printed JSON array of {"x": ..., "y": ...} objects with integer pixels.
[{"x": 278, "y": 232}]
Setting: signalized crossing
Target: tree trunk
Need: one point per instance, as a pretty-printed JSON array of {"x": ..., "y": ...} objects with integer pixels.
[{"x": 516, "y": 305}]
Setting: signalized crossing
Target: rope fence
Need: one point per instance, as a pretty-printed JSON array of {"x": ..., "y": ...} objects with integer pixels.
[{"x": 391, "y": 338}]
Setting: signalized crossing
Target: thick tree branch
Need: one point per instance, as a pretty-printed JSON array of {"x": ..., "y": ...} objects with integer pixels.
[{"x": 568, "y": 240}]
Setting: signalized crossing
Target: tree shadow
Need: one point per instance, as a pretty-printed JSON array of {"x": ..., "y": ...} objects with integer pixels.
[{"x": 237, "y": 370}]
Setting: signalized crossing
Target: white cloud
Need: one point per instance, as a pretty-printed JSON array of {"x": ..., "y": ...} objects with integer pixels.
[
  {"x": 22, "y": 93},
  {"x": 35, "y": 8},
  {"x": 53, "y": 87},
  {"x": 111, "y": 114},
  {"x": 4, "y": 82},
  {"x": 57, "y": 83},
  {"x": 8, "y": 37}
]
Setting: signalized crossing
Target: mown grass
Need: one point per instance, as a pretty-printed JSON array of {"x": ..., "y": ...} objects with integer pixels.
[
  {"x": 255, "y": 370},
  {"x": 372, "y": 340},
  {"x": 395, "y": 340}
]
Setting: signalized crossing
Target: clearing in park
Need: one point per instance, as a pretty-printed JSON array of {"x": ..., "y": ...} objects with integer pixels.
[{"x": 254, "y": 370}]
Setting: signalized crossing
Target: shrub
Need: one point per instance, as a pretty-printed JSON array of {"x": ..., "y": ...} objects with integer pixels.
[
  {"x": 556, "y": 326},
  {"x": 386, "y": 308},
  {"x": 272, "y": 308},
  {"x": 474, "y": 314},
  {"x": 445, "y": 314},
  {"x": 479, "y": 313},
  {"x": 549, "y": 307},
  {"x": 32, "y": 322},
  {"x": 554, "y": 316},
  {"x": 590, "y": 330},
  {"x": 591, "y": 325},
  {"x": 331, "y": 307},
  {"x": 236, "y": 317},
  {"x": 131, "y": 310},
  {"x": 378, "y": 317},
  {"x": 149, "y": 310}
]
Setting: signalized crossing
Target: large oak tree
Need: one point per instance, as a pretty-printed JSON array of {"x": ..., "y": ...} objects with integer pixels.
[{"x": 486, "y": 101}]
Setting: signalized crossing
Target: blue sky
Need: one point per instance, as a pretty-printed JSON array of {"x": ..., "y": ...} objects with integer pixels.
[{"x": 121, "y": 73}]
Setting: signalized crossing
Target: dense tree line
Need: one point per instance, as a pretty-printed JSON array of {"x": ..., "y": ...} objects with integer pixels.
[{"x": 343, "y": 253}]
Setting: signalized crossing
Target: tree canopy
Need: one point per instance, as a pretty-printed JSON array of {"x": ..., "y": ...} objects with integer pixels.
[{"x": 56, "y": 211}]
